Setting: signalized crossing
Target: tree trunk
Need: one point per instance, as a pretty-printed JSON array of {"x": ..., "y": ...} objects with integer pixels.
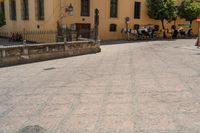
[
  {"x": 191, "y": 24},
  {"x": 175, "y": 22},
  {"x": 163, "y": 26}
]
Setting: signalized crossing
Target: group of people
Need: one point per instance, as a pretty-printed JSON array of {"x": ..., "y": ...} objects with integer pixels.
[
  {"x": 181, "y": 31},
  {"x": 140, "y": 32},
  {"x": 16, "y": 37},
  {"x": 153, "y": 32}
]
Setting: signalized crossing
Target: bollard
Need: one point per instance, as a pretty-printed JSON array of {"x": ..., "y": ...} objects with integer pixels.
[
  {"x": 65, "y": 40},
  {"x": 3, "y": 53},
  {"x": 47, "y": 49},
  {"x": 98, "y": 42},
  {"x": 65, "y": 43},
  {"x": 24, "y": 42}
]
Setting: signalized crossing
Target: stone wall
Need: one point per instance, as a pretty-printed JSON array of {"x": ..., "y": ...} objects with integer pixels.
[{"x": 20, "y": 54}]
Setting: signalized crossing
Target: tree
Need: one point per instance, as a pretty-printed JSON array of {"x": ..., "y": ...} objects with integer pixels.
[
  {"x": 162, "y": 10},
  {"x": 189, "y": 10},
  {"x": 176, "y": 16},
  {"x": 2, "y": 19}
]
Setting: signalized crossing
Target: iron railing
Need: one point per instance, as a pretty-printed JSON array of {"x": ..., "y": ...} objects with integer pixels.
[
  {"x": 32, "y": 36},
  {"x": 70, "y": 35},
  {"x": 14, "y": 38}
]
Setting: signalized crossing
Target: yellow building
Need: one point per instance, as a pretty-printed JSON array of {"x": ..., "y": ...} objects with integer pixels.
[{"x": 44, "y": 15}]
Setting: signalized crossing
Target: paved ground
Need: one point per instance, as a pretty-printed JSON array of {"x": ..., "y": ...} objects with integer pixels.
[{"x": 143, "y": 87}]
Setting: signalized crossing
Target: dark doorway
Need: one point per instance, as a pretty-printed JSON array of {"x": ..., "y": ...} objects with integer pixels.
[{"x": 83, "y": 30}]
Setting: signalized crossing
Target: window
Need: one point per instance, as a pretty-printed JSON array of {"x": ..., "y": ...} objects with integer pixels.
[
  {"x": 85, "y": 7},
  {"x": 24, "y": 9},
  {"x": 2, "y": 8},
  {"x": 2, "y": 14},
  {"x": 39, "y": 9},
  {"x": 13, "y": 10},
  {"x": 113, "y": 27},
  {"x": 137, "y": 10},
  {"x": 136, "y": 27},
  {"x": 113, "y": 8}
]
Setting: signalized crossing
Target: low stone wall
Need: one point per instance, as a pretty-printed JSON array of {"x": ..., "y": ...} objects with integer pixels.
[{"x": 20, "y": 54}]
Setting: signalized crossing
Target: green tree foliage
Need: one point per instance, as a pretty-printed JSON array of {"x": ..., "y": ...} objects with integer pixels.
[
  {"x": 189, "y": 10},
  {"x": 162, "y": 10},
  {"x": 2, "y": 19}
]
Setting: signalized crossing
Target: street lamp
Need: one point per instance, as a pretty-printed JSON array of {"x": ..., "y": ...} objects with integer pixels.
[
  {"x": 62, "y": 29},
  {"x": 69, "y": 9}
]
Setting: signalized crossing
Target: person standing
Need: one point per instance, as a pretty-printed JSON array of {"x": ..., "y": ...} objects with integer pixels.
[
  {"x": 197, "y": 43},
  {"x": 175, "y": 32}
]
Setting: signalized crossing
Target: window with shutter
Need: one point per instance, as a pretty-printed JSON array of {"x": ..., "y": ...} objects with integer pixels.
[
  {"x": 137, "y": 10},
  {"x": 2, "y": 8},
  {"x": 113, "y": 8},
  {"x": 39, "y": 9},
  {"x": 113, "y": 27},
  {"x": 25, "y": 9},
  {"x": 85, "y": 7},
  {"x": 13, "y": 10}
]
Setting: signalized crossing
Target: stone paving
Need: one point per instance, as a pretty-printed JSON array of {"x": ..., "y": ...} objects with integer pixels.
[{"x": 143, "y": 87}]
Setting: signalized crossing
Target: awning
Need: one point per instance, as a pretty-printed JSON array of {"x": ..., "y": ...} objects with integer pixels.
[
  {"x": 148, "y": 25},
  {"x": 187, "y": 25},
  {"x": 198, "y": 20}
]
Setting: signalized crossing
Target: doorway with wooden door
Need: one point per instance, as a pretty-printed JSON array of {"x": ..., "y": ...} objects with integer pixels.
[{"x": 83, "y": 29}]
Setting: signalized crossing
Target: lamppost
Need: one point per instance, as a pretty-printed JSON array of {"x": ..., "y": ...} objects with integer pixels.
[
  {"x": 96, "y": 23},
  {"x": 69, "y": 10}
]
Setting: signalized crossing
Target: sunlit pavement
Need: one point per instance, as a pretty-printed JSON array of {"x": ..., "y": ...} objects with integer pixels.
[{"x": 143, "y": 87}]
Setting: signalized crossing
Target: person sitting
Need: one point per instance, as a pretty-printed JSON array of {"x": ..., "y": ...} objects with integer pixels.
[{"x": 18, "y": 37}]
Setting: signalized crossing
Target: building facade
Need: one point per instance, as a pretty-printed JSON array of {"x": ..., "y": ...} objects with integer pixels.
[{"x": 45, "y": 15}]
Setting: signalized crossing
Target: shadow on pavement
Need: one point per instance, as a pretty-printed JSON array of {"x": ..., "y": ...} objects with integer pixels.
[
  {"x": 118, "y": 42},
  {"x": 33, "y": 129}
]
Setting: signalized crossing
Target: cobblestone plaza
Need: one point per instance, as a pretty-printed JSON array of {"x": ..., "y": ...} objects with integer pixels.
[{"x": 140, "y": 87}]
